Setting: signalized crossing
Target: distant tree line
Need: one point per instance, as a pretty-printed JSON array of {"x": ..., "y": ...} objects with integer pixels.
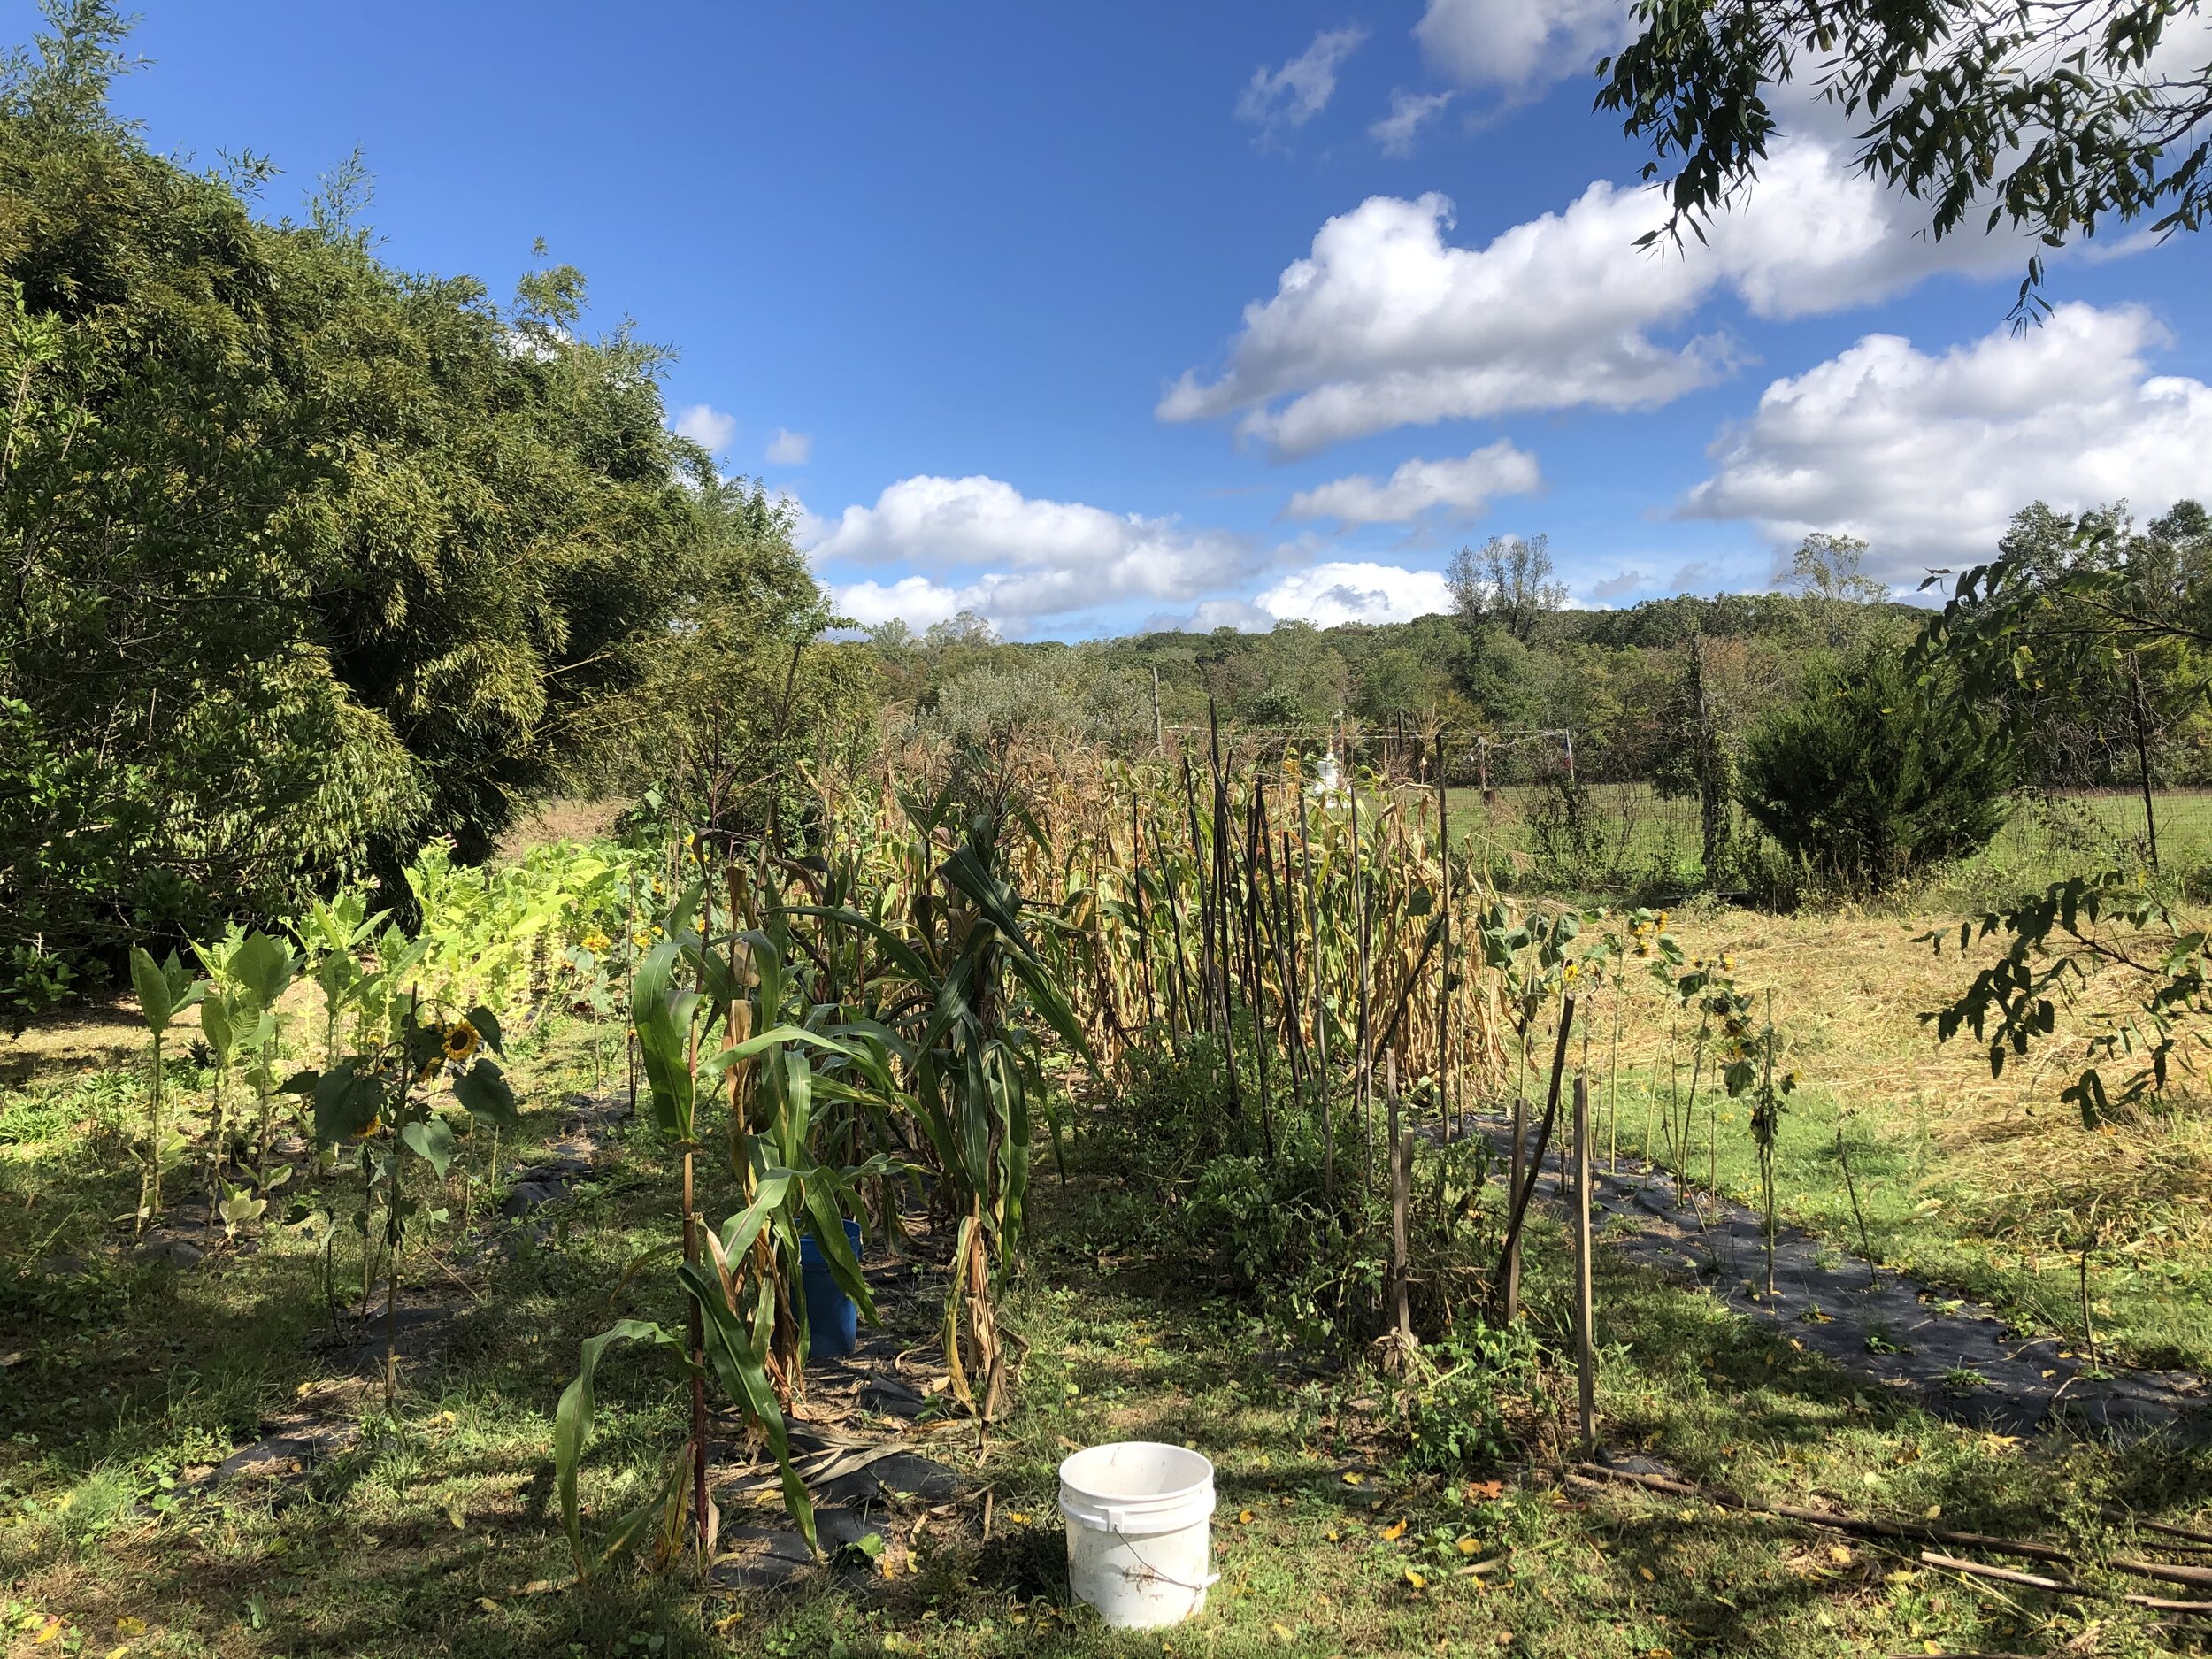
[{"x": 1808, "y": 708}]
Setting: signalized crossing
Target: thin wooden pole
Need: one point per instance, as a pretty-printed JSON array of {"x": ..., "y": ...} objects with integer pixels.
[
  {"x": 1320, "y": 1032},
  {"x": 1585, "y": 1346},
  {"x": 1255, "y": 994},
  {"x": 1444, "y": 1071},
  {"x": 1401, "y": 1196},
  {"x": 1363, "y": 1059},
  {"x": 1519, "y": 1217},
  {"x": 1512, "y": 1196}
]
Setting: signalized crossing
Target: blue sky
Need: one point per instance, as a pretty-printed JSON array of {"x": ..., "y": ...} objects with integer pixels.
[{"x": 992, "y": 293}]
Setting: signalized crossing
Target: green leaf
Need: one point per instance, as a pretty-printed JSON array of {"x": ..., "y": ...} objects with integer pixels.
[
  {"x": 738, "y": 1362},
  {"x": 431, "y": 1141},
  {"x": 486, "y": 1024},
  {"x": 347, "y": 1101},
  {"x": 483, "y": 1089},
  {"x": 573, "y": 1424},
  {"x": 215, "y": 1025},
  {"x": 263, "y": 966},
  {"x": 663, "y": 1016},
  {"x": 155, "y": 1003}
]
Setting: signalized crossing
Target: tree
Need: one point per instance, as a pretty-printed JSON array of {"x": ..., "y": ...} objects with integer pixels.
[
  {"x": 1873, "y": 775},
  {"x": 306, "y": 560},
  {"x": 1826, "y": 570},
  {"x": 1509, "y": 582},
  {"x": 2052, "y": 116}
]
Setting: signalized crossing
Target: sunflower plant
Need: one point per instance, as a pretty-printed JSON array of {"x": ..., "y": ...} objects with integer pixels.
[{"x": 382, "y": 1100}]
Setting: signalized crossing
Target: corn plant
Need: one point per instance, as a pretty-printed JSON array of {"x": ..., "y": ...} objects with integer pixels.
[
  {"x": 164, "y": 990},
  {"x": 959, "y": 969},
  {"x": 736, "y": 1279}
]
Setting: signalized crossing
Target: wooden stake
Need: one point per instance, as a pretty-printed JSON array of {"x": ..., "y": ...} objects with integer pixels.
[
  {"x": 1400, "y": 1198},
  {"x": 1445, "y": 1092},
  {"x": 1527, "y": 1191},
  {"x": 1585, "y": 1345},
  {"x": 1512, "y": 1197}
]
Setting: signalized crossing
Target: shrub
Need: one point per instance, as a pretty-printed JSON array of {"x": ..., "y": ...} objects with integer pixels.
[{"x": 1871, "y": 778}]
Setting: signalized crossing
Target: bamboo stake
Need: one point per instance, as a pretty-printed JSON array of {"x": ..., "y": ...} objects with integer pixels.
[
  {"x": 1543, "y": 1139},
  {"x": 1585, "y": 1347},
  {"x": 1136, "y": 887},
  {"x": 1364, "y": 1056},
  {"x": 1320, "y": 1034},
  {"x": 1445, "y": 1094},
  {"x": 1857, "y": 1525},
  {"x": 1513, "y": 1190},
  {"x": 1256, "y": 987},
  {"x": 1401, "y": 1196}
]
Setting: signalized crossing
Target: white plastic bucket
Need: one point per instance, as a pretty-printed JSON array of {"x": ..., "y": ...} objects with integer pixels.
[{"x": 1139, "y": 1517}]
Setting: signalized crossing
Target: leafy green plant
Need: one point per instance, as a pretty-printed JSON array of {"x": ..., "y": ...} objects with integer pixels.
[
  {"x": 382, "y": 1097},
  {"x": 976, "y": 1067},
  {"x": 1449, "y": 1400},
  {"x": 164, "y": 989},
  {"x": 746, "y": 1332},
  {"x": 1874, "y": 774}
]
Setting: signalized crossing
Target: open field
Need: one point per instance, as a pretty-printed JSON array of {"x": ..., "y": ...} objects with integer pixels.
[
  {"x": 1642, "y": 841},
  {"x": 1983, "y": 1184}
]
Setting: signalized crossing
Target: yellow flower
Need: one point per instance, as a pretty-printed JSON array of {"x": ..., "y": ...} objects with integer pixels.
[
  {"x": 461, "y": 1042},
  {"x": 1572, "y": 969},
  {"x": 373, "y": 1125}
]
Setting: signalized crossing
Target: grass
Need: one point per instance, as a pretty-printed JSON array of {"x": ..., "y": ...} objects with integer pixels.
[
  {"x": 1639, "y": 841},
  {"x": 434, "y": 1534},
  {"x": 1981, "y": 1184},
  {"x": 1338, "y": 1532}
]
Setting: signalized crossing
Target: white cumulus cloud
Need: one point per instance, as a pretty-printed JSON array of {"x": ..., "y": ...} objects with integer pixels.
[
  {"x": 1520, "y": 46},
  {"x": 1463, "y": 486},
  {"x": 1345, "y": 591},
  {"x": 707, "y": 427},
  {"x": 1409, "y": 111},
  {"x": 789, "y": 448},
  {"x": 1386, "y": 323},
  {"x": 914, "y": 600},
  {"x": 1301, "y": 89},
  {"x": 1018, "y": 559},
  {"x": 1928, "y": 457}
]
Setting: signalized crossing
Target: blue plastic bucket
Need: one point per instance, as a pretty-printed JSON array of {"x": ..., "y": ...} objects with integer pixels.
[{"x": 833, "y": 1323}]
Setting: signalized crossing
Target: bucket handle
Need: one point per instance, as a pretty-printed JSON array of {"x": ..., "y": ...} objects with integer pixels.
[{"x": 1113, "y": 1520}]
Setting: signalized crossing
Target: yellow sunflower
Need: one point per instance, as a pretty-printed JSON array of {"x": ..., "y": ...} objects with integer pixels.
[{"x": 461, "y": 1042}]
